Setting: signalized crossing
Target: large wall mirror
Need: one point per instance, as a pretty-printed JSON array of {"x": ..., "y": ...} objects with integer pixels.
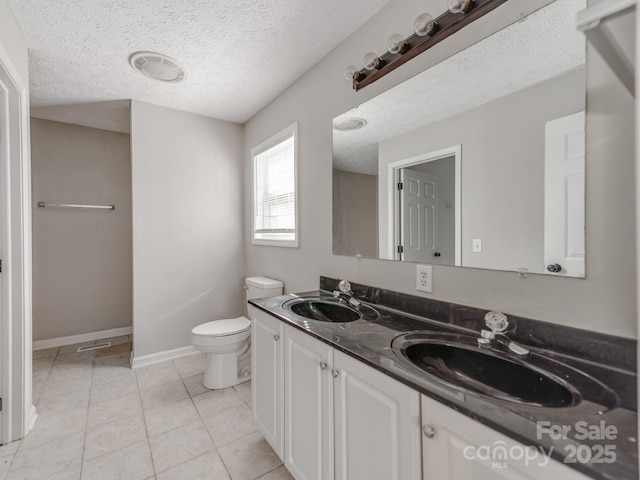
[{"x": 477, "y": 161}]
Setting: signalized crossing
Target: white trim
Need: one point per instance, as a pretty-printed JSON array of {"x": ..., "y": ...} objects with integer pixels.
[
  {"x": 589, "y": 22},
  {"x": 592, "y": 16},
  {"x": 137, "y": 362},
  {"x": 84, "y": 337},
  {"x": 15, "y": 317},
  {"x": 275, "y": 139},
  {"x": 392, "y": 197},
  {"x": 33, "y": 417}
]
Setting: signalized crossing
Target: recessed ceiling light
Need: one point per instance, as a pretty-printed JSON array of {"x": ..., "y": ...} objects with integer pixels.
[
  {"x": 348, "y": 124},
  {"x": 158, "y": 66}
]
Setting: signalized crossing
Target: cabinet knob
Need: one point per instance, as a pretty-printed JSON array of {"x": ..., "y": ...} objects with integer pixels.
[
  {"x": 276, "y": 337},
  {"x": 428, "y": 431},
  {"x": 323, "y": 365},
  {"x": 335, "y": 373}
]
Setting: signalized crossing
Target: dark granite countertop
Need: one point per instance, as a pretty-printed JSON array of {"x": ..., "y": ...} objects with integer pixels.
[{"x": 369, "y": 340}]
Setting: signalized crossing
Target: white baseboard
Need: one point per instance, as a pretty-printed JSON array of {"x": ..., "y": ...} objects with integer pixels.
[
  {"x": 85, "y": 337},
  {"x": 152, "y": 358}
]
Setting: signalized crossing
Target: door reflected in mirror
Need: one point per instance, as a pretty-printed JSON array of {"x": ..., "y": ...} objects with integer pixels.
[
  {"x": 426, "y": 208},
  {"x": 477, "y": 161}
]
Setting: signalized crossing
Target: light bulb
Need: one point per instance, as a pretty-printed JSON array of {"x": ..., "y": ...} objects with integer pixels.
[
  {"x": 350, "y": 73},
  {"x": 396, "y": 44},
  {"x": 424, "y": 25},
  {"x": 371, "y": 61},
  {"x": 459, "y": 6}
]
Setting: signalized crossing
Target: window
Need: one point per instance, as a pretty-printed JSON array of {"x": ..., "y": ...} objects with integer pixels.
[{"x": 274, "y": 190}]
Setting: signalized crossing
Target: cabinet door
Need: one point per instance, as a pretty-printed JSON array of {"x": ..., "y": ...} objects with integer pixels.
[
  {"x": 377, "y": 424},
  {"x": 458, "y": 447},
  {"x": 308, "y": 407},
  {"x": 267, "y": 388}
]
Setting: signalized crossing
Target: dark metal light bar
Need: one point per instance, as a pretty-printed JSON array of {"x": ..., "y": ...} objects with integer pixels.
[{"x": 447, "y": 24}]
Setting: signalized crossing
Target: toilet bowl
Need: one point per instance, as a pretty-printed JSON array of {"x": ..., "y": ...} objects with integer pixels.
[
  {"x": 227, "y": 342},
  {"x": 224, "y": 342}
]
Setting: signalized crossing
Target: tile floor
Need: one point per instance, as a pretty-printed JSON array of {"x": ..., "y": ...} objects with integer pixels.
[{"x": 98, "y": 419}]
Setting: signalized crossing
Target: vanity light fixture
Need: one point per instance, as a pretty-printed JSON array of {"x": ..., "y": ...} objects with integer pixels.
[
  {"x": 371, "y": 61},
  {"x": 459, "y": 6},
  {"x": 351, "y": 73},
  {"x": 428, "y": 32},
  {"x": 424, "y": 25},
  {"x": 396, "y": 44}
]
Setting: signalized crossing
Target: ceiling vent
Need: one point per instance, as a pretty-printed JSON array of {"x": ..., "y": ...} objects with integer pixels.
[
  {"x": 348, "y": 124},
  {"x": 158, "y": 66}
]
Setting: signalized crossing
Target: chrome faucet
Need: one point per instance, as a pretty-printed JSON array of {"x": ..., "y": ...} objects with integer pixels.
[
  {"x": 344, "y": 292},
  {"x": 498, "y": 324}
]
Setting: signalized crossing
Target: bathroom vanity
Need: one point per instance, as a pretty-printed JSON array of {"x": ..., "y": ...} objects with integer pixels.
[{"x": 345, "y": 397}]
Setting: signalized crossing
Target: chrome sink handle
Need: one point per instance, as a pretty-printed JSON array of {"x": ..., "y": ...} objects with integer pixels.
[
  {"x": 344, "y": 291},
  {"x": 345, "y": 287},
  {"x": 496, "y": 321}
]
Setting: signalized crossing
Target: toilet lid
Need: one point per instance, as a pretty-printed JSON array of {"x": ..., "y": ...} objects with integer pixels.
[{"x": 221, "y": 328}]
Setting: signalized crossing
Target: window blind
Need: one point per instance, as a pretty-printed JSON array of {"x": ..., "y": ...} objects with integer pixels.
[{"x": 275, "y": 215}]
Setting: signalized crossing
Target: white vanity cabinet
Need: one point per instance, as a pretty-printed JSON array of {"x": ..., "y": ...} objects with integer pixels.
[
  {"x": 456, "y": 447},
  {"x": 377, "y": 424},
  {"x": 345, "y": 420},
  {"x": 327, "y": 415},
  {"x": 308, "y": 416},
  {"x": 267, "y": 377}
]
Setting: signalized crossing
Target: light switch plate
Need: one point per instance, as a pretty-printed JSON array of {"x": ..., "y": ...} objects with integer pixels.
[
  {"x": 424, "y": 278},
  {"x": 477, "y": 245}
]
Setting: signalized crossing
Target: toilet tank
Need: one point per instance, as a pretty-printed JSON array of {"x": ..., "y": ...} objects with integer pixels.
[{"x": 259, "y": 287}]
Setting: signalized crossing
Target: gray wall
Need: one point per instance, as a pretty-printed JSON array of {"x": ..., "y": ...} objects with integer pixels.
[
  {"x": 604, "y": 301},
  {"x": 502, "y": 169},
  {"x": 187, "y": 228},
  {"x": 355, "y": 215},
  {"x": 81, "y": 258}
]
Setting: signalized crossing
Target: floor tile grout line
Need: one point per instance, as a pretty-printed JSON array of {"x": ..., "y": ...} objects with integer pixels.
[
  {"x": 271, "y": 471},
  {"x": 86, "y": 425},
  {"x": 216, "y": 448},
  {"x": 146, "y": 431}
]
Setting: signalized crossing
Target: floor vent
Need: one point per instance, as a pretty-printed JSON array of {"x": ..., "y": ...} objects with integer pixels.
[{"x": 86, "y": 348}]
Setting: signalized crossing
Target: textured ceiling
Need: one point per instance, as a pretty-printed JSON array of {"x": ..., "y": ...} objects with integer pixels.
[
  {"x": 239, "y": 54},
  {"x": 546, "y": 44}
]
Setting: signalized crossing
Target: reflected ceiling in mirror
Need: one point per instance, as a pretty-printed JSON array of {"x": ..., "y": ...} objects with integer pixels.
[{"x": 507, "y": 103}]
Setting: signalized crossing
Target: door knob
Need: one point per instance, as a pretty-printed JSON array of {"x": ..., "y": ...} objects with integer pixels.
[
  {"x": 554, "y": 267},
  {"x": 437, "y": 254},
  {"x": 428, "y": 431}
]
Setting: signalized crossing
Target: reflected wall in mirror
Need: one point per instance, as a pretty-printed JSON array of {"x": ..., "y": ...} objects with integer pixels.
[{"x": 477, "y": 161}]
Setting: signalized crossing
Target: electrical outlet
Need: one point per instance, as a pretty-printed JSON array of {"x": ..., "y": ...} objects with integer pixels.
[{"x": 424, "y": 278}]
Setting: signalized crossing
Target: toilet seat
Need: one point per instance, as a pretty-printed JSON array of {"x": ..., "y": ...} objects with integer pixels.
[{"x": 223, "y": 328}]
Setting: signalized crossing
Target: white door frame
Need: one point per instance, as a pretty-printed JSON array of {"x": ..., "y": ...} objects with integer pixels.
[
  {"x": 18, "y": 413},
  {"x": 392, "y": 197}
]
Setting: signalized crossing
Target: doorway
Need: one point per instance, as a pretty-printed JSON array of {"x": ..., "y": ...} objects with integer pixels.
[
  {"x": 17, "y": 414},
  {"x": 426, "y": 207}
]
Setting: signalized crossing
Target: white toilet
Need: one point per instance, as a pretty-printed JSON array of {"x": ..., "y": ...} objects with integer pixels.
[{"x": 227, "y": 342}]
